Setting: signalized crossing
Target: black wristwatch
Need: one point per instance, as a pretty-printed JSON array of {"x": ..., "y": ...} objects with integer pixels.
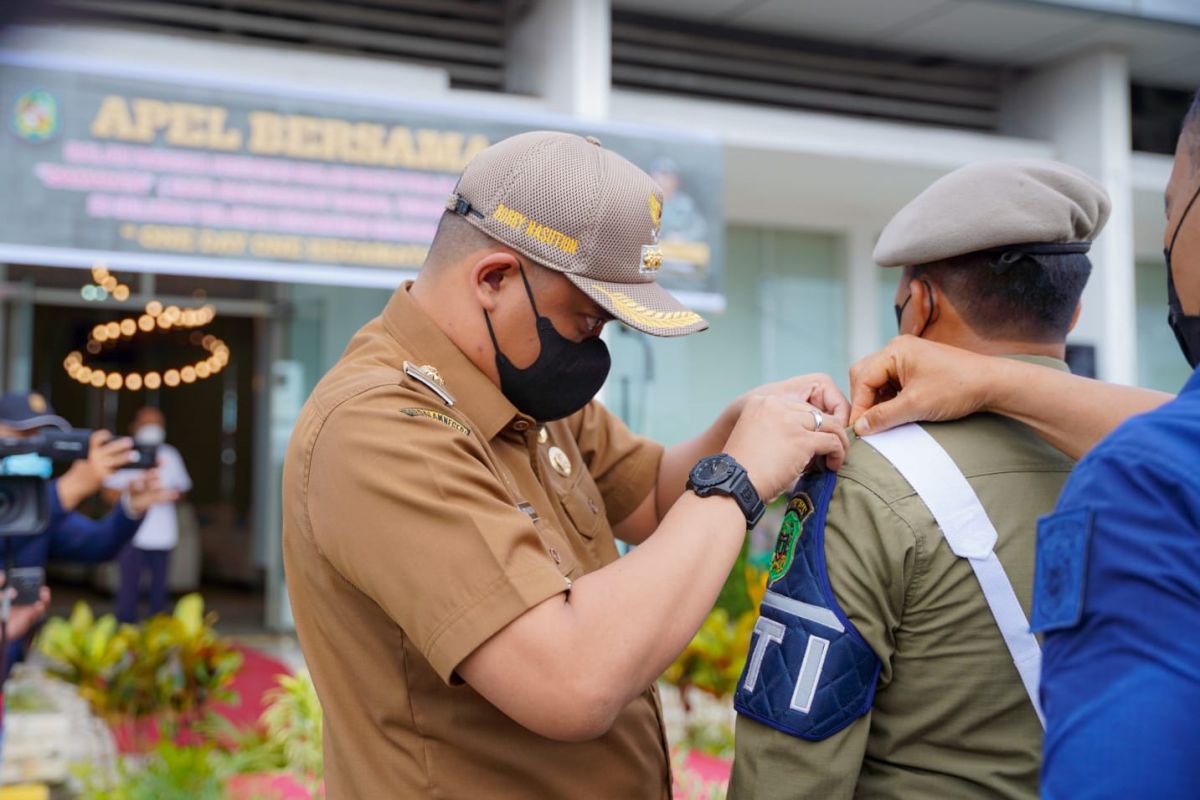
[{"x": 721, "y": 474}]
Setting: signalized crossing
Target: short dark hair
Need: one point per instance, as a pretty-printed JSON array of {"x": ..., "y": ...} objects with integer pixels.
[
  {"x": 455, "y": 239},
  {"x": 1032, "y": 300}
]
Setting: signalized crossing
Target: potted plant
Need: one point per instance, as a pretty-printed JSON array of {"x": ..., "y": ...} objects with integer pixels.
[{"x": 143, "y": 680}]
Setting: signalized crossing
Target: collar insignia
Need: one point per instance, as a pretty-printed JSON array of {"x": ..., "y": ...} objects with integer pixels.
[{"x": 430, "y": 378}]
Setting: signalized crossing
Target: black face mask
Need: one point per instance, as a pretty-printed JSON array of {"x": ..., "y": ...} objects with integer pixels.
[
  {"x": 1186, "y": 327},
  {"x": 561, "y": 380},
  {"x": 900, "y": 309}
]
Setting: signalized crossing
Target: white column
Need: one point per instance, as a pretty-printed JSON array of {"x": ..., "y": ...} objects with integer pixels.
[
  {"x": 862, "y": 293},
  {"x": 1081, "y": 104},
  {"x": 561, "y": 50}
]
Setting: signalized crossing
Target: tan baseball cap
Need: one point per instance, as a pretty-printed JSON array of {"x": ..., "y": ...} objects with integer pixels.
[
  {"x": 567, "y": 203},
  {"x": 1018, "y": 205}
]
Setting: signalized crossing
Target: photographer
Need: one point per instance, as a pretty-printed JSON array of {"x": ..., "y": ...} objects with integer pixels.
[{"x": 69, "y": 535}]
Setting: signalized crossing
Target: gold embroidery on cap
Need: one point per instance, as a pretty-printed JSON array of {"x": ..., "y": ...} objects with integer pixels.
[
  {"x": 543, "y": 233},
  {"x": 656, "y": 212},
  {"x": 652, "y": 259},
  {"x": 450, "y": 422},
  {"x": 556, "y": 239},
  {"x": 508, "y": 216},
  {"x": 629, "y": 308}
]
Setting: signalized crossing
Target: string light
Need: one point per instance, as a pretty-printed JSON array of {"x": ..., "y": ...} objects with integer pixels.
[
  {"x": 156, "y": 316},
  {"x": 104, "y": 284}
]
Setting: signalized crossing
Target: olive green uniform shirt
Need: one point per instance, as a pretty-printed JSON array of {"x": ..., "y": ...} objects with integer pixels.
[{"x": 951, "y": 718}]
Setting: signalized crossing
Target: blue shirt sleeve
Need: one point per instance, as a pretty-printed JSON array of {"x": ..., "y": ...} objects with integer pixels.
[
  {"x": 57, "y": 512},
  {"x": 75, "y": 537},
  {"x": 1121, "y": 680}
]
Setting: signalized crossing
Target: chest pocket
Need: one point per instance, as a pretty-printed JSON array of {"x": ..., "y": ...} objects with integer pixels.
[
  {"x": 584, "y": 506},
  {"x": 576, "y": 491},
  {"x": 809, "y": 672}
]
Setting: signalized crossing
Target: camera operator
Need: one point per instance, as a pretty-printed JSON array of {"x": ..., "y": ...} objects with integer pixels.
[{"x": 69, "y": 535}]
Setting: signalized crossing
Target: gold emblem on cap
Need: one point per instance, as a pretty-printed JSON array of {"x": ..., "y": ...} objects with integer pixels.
[
  {"x": 630, "y": 309},
  {"x": 656, "y": 212},
  {"x": 37, "y": 403},
  {"x": 560, "y": 462},
  {"x": 652, "y": 259}
]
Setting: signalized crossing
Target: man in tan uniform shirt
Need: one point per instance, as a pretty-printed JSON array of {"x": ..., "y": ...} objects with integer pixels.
[
  {"x": 918, "y": 696},
  {"x": 452, "y": 494}
]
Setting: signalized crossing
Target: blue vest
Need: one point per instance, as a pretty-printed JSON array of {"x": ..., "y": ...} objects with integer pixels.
[{"x": 808, "y": 673}]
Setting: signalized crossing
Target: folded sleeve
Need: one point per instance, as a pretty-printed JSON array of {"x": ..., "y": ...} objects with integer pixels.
[
  {"x": 623, "y": 464},
  {"x": 410, "y": 511}
]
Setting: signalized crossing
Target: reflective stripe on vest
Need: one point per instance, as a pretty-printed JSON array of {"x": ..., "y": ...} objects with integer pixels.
[{"x": 942, "y": 487}]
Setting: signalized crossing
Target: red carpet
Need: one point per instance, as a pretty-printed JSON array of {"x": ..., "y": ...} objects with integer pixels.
[{"x": 253, "y": 680}]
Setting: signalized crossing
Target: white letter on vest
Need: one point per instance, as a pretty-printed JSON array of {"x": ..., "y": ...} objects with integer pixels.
[{"x": 768, "y": 631}]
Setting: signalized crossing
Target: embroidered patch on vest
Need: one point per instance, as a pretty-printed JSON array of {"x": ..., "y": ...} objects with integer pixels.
[
  {"x": 1060, "y": 572},
  {"x": 448, "y": 421},
  {"x": 799, "y": 509}
]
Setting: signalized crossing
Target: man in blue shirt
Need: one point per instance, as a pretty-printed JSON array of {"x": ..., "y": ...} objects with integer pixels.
[
  {"x": 69, "y": 535},
  {"x": 1117, "y": 587}
]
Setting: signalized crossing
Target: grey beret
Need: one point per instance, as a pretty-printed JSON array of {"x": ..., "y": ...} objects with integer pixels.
[{"x": 990, "y": 205}]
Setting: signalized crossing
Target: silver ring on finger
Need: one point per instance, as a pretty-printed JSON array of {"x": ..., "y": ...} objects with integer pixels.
[{"x": 818, "y": 418}]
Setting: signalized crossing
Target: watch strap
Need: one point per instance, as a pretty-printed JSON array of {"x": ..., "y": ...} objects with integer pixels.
[{"x": 737, "y": 486}]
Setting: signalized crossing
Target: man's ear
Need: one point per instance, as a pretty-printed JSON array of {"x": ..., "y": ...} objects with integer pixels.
[
  {"x": 1075, "y": 316},
  {"x": 922, "y": 307},
  {"x": 489, "y": 276}
]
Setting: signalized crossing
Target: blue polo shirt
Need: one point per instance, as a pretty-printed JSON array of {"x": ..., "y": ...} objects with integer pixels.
[{"x": 1117, "y": 595}]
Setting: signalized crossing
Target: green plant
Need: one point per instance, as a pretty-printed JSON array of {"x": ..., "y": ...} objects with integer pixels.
[
  {"x": 169, "y": 771},
  {"x": 169, "y": 667},
  {"x": 88, "y": 653},
  {"x": 294, "y": 721},
  {"x": 288, "y": 737}
]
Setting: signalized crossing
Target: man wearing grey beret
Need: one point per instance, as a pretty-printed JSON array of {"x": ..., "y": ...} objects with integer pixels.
[
  {"x": 893, "y": 655},
  {"x": 1117, "y": 581}
]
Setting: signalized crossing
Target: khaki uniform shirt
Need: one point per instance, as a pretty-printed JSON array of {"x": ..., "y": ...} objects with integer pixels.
[
  {"x": 951, "y": 718},
  {"x": 413, "y": 531}
]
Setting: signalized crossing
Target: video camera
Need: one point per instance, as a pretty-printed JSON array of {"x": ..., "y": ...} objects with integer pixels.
[{"x": 24, "y": 504}]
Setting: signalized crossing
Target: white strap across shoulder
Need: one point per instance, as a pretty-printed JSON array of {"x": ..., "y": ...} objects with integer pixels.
[{"x": 965, "y": 524}]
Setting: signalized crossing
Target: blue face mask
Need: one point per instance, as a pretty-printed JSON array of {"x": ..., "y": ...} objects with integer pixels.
[{"x": 27, "y": 464}]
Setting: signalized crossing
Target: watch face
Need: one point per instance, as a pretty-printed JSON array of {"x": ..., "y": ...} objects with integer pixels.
[{"x": 712, "y": 470}]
